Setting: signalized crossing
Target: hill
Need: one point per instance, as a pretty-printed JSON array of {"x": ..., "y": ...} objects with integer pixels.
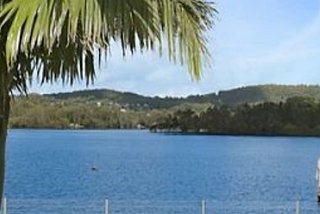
[
  {"x": 267, "y": 93},
  {"x": 249, "y": 94},
  {"x": 126, "y": 99},
  {"x": 102, "y": 108}
]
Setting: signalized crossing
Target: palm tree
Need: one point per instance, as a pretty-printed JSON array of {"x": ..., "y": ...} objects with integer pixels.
[{"x": 58, "y": 39}]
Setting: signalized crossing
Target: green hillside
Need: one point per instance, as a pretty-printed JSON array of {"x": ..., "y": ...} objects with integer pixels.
[
  {"x": 267, "y": 93},
  {"x": 297, "y": 116},
  {"x": 250, "y": 94},
  {"x": 128, "y": 99},
  {"x": 104, "y": 108}
]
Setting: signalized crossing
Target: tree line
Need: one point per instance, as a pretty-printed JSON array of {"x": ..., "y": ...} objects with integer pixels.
[
  {"x": 295, "y": 116},
  {"x": 37, "y": 111}
]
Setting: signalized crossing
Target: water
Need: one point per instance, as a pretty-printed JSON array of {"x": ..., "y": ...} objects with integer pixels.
[{"x": 52, "y": 169}]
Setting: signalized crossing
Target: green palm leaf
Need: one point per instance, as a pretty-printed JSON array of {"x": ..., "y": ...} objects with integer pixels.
[{"x": 57, "y": 38}]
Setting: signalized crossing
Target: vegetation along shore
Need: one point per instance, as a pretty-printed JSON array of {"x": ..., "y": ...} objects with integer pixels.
[{"x": 256, "y": 110}]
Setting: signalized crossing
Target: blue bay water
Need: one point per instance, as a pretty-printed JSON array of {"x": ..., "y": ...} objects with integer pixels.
[{"x": 141, "y": 166}]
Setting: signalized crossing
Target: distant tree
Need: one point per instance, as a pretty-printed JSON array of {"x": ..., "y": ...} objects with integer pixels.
[
  {"x": 186, "y": 120},
  {"x": 57, "y": 40},
  {"x": 296, "y": 116}
]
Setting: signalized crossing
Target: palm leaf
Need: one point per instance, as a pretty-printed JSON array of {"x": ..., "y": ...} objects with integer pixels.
[{"x": 57, "y": 38}]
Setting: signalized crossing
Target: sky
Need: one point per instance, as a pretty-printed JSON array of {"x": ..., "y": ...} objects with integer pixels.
[{"x": 253, "y": 42}]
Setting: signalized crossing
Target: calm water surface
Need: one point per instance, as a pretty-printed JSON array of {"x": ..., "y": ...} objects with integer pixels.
[{"x": 141, "y": 166}]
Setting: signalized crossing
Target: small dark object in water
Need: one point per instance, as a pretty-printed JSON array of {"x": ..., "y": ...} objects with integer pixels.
[
  {"x": 318, "y": 198},
  {"x": 93, "y": 167}
]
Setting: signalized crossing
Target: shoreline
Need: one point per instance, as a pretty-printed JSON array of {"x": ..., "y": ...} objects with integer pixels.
[
  {"x": 178, "y": 132},
  {"x": 175, "y": 132},
  {"x": 242, "y": 135}
]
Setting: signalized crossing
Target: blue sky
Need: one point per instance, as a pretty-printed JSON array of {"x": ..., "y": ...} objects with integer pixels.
[{"x": 253, "y": 42}]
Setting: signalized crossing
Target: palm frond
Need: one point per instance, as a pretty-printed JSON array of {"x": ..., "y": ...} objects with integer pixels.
[{"x": 57, "y": 38}]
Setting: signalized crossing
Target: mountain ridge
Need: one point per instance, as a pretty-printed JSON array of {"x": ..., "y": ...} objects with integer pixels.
[{"x": 247, "y": 94}]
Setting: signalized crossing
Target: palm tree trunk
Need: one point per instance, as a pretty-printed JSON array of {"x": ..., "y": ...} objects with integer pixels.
[
  {"x": 4, "y": 118},
  {"x": 5, "y": 84}
]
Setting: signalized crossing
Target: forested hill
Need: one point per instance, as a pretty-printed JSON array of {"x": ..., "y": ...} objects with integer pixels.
[
  {"x": 128, "y": 99},
  {"x": 267, "y": 93},
  {"x": 111, "y": 109},
  {"x": 250, "y": 94}
]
